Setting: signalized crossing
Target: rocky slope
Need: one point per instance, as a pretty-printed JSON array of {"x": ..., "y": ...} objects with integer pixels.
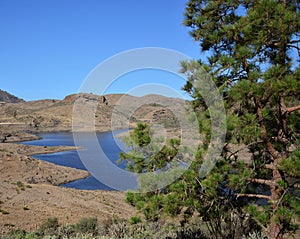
[
  {"x": 57, "y": 115},
  {"x": 8, "y": 98}
]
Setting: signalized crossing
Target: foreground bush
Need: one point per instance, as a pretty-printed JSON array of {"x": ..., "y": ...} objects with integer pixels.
[{"x": 89, "y": 228}]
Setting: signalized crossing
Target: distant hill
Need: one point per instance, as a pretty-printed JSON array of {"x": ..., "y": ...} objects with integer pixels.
[
  {"x": 57, "y": 115},
  {"x": 8, "y": 98}
]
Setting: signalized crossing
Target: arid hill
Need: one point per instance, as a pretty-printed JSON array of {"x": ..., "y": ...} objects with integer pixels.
[
  {"x": 9, "y": 98},
  {"x": 57, "y": 115},
  {"x": 29, "y": 193}
]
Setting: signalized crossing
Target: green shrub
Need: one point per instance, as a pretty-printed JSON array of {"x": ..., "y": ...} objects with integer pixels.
[
  {"x": 135, "y": 220},
  {"x": 87, "y": 225},
  {"x": 49, "y": 227},
  {"x": 32, "y": 235},
  {"x": 20, "y": 184},
  {"x": 88, "y": 228},
  {"x": 16, "y": 234}
]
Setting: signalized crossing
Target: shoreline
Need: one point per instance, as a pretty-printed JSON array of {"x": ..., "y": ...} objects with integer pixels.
[
  {"x": 22, "y": 156},
  {"x": 35, "y": 185},
  {"x": 32, "y": 150}
]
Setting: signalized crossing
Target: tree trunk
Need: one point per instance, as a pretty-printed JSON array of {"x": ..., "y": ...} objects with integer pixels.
[
  {"x": 275, "y": 227},
  {"x": 275, "y": 230}
]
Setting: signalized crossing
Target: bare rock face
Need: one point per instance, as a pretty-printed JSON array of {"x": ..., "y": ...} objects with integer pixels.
[
  {"x": 104, "y": 100},
  {"x": 8, "y": 98}
]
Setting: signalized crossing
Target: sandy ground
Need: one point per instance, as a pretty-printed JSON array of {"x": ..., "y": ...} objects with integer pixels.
[{"x": 29, "y": 195}]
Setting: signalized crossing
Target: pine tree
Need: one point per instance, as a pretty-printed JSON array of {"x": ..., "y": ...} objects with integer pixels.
[
  {"x": 253, "y": 49},
  {"x": 254, "y": 60}
]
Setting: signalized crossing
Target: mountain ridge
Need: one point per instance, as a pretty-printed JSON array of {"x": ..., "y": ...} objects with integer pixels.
[
  {"x": 58, "y": 115},
  {"x": 9, "y": 98}
]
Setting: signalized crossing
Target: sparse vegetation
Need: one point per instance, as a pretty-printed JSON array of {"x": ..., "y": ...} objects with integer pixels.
[
  {"x": 3, "y": 211},
  {"x": 21, "y": 186},
  {"x": 9, "y": 225},
  {"x": 116, "y": 228},
  {"x": 87, "y": 225},
  {"x": 49, "y": 227}
]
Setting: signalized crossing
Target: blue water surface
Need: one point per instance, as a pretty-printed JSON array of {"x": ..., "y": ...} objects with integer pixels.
[{"x": 111, "y": 146}]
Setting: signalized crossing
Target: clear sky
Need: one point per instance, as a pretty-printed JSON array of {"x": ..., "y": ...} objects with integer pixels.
[{"x": 48, "y": 47}]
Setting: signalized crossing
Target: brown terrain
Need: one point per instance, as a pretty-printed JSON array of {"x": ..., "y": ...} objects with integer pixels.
[
  {"x": 56, "y": 115},
  {"x": 29, "y": 191},
  {"x": 29, "y": 188}
]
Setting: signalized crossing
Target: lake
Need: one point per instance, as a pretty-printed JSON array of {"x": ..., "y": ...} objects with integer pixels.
[{"x": 110, "y": 145}]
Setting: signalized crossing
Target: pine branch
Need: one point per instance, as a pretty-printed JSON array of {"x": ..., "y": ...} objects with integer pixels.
[
  {"x": 295, "y": 41},
  {"x": 292, "y": 109},
  {"x": 253, "y": 196},
  {"x": 261, "y": 181}
]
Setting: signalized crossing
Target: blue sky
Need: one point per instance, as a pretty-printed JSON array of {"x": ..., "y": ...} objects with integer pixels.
[{"x": 48, "y": 47}]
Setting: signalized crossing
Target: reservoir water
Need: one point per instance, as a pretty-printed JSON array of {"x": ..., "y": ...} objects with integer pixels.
[{"x": 110, "y": 145}]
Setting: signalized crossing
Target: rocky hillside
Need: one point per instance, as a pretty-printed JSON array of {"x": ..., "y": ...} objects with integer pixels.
[
  {"x": 57, "y": 115},
  {"x": 8, "y": 98}
]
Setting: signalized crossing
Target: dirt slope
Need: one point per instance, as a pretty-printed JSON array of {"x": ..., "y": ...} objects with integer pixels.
[{"x": 29, "y": 195}]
